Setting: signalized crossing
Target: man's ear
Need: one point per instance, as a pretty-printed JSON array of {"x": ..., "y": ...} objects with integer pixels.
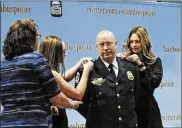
[
  {"x": 96, "y": 46},
  {"x": 116, "y": 42}
]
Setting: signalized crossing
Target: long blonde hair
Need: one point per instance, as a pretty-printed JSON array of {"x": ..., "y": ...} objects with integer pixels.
[
  {"x": 142, "y": 33},
  {"x": 52, "y": 49}
]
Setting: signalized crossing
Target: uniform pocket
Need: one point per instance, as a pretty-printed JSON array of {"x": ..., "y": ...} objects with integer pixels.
[
  {"x": 129, "y": 96},
  {"x": 102, "y": 94},
  {"x": 129, "y": 91}
]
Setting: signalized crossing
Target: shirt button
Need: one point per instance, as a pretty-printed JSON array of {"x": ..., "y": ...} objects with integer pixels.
[
  {"x": 100, "y": 93},
  {"x": 131, "y": 89},
  {"x": 116, "y": 83},
  {"x": 120, "y": 118},
  {"x": 119, "y": 106},
  {"x": 118, "y": 95}
]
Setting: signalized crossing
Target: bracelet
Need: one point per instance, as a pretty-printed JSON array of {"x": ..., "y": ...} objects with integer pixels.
[
  {"x": 73, "y": 106},
  {"x": 142, "y": 68},
  {"x": 141, "y": 65}
]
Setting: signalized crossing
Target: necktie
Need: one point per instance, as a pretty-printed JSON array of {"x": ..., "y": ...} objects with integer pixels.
[{"x": 112, "y": 71}]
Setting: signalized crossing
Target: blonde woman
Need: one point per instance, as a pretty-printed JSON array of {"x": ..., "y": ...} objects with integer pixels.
[
  {"x": 151, "y": 73},
  {"x": 53, "y": 48}
]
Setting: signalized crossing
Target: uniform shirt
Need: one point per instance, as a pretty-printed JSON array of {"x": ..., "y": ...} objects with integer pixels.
[
  {"x": 26, "y": 86},
  {"x": 115, "y": 65}
]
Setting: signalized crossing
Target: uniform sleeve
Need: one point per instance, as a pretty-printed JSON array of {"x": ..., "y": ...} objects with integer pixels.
[
  {"x": 46, "y": 78},
  {"x": 151, "y": 78}
]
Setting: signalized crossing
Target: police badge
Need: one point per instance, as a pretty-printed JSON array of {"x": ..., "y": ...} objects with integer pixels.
[
  {"x": 130, "y": 75},
  {"x": 56, "y": 8}
]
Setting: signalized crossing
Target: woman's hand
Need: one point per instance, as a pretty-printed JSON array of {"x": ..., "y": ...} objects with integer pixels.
[
  {"x": 84, "y": 60},
  {"x": 75, "y": 104},
  {"x": 123, "y": 55},
  {"x": 134, "y": 58},
  {"x": 88, "y": 66}
]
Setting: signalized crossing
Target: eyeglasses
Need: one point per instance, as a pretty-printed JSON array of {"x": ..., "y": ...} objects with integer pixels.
[
  {"x": 39, "y": 36},
  {"x": 108, "y": 44}
]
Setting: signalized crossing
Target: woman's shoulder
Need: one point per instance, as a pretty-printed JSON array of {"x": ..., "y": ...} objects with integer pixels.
[
  {"x": 33, "y": 59},
  {"x": 158, "y": 60},
  {"x": 32, "y": 55},
  {"x": 25, "y": 60}
]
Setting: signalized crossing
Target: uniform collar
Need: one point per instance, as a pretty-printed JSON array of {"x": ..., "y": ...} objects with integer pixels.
[{"x": 115, "y": 63}]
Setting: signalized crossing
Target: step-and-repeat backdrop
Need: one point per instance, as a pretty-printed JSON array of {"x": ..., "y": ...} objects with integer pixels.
[{"x": 80, "y": 22}]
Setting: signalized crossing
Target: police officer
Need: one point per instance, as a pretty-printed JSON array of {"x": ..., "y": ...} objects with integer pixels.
[{"x": 109, "y": 101}]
